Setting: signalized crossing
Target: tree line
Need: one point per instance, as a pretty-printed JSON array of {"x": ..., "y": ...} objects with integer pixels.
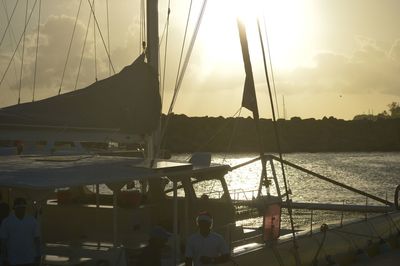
[{"x": 218, "y": 134}]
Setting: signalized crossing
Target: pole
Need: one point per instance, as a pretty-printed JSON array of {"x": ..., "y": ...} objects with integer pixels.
[
  {"x": 175, "y": 219},
  {"x": 152, "y": 52},
  {"x": 115, "y": 225}
]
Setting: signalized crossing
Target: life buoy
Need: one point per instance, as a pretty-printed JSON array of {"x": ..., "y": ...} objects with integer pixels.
[{"x": 396, "y": 198}]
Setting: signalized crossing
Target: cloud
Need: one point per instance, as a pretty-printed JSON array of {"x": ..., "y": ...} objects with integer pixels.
[
  {"x": 55, "y": 36},
  {"x": 370, "y": 68}
]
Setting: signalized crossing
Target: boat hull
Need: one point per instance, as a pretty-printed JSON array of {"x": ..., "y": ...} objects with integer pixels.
[{"x": 347, "y": 244}]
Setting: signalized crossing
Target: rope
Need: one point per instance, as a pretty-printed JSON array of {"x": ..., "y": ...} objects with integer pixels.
[
  {"x": 238, "y": 112},
  {"x": 102, "y": 38},
  {"x": 355, "y": 234},
  {"x": 270, "y": 66},
  {"x": 22, "y": 58},
  {"x": 165, "y": 50},
  {"x": 181, "y": 56},
  {"x": 16, "y": 48},
  {"x": 37, "y": 50},
  {"x": 94, "y": 42},
  {"x": 221, "y": 128},
  {"x": 276, "y": 254},
  {"x": 371, "y": 226},
  {"x": 324, "y": 229},
  {"x": 395, "y": 225},
  {"x": 83, "y": 50},
  {"x": 185, "y": 63},
  {"x": 69, "y": 47},
  {"x": 163, "y": 131},
  {"x": 142, "y": 27},
  {"x": 108, "y": 38},
  {"x": 11, "y": 32},
  {"x": 12, "y": 37},
  {"x": 279, "y": 148},
  {"x": 349, "y": 240},
  {"x": 9, "y": 21}
]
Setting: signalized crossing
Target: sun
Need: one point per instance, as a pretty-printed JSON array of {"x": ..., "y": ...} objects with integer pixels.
[{"x": 282, "y": 21}]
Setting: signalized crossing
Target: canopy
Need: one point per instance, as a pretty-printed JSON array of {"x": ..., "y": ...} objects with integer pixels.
[
  {"x": 128, "y": 101},
  {"x": 49, "y": 172}
]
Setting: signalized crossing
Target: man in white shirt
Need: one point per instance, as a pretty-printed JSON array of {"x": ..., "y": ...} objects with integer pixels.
[
  {"x": 19, "y": 234},
  {"x": 206, "y": 247}
]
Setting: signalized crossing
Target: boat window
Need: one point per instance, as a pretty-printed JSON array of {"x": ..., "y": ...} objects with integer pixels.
[
  {"x": 208, "y": 189},
  {"x": 170, "y": 192}
]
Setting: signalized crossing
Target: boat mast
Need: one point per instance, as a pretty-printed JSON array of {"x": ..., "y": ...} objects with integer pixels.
[
  {"x": 152, "y": 34},
  {"x": 152, "y": 60}
]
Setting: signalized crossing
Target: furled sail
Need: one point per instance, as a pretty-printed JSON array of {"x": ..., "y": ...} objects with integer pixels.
[
  {"x": 249, "y": 99},
  {"x": 128, "y": 101}
]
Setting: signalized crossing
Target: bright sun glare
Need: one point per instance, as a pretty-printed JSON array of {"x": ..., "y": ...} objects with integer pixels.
[{"x": 283, "y": 19}]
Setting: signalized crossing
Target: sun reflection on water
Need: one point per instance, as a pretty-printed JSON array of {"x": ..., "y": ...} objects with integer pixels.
[{"x": 375, "y": 173}]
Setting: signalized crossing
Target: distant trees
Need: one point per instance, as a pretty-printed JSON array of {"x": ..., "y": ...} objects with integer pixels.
[
  {"x": 394, "y": 109},
  {"x": 394, "y": 112}
]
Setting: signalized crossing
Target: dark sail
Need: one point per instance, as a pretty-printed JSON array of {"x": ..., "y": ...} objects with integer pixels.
[
  {"x": 128, "y": 101},
  {"x": 249, "y": 99}
]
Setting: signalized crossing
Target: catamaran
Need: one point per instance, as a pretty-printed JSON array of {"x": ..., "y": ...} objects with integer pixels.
[{"x": 101, "y": 208}]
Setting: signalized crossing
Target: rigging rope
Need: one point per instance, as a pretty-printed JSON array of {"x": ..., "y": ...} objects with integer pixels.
[
  {"x": 8, "y": 23},
  {"x": 142, "y": 38},
  {"x": 165, "y": 51},
  {"x": 188, "y": 54},
  {"x": 94, "y": 42},
  {"x": 22, "y": 58},
  {"x": 324, "y": 230},
  {"x": 163, "y": 131},
  {"x": 270, "y": 66},
  {"x": 238, "y": 113},
  {"x": 181, "y": 73},
  {"x": 16, "y": 48},
  {"x": 69, "y": 48},
  {"x": 12, "y": 37},
  {"x": 37, "y": 49},
  {"x": 140, "y": 26},
  {"x": 278, "y": 143},
  {"x": 83, "y": 49},
  {"x": 220, "y": 129},
  {"x": 108, "y": 38},
  {"x": 102, "y": 38}
]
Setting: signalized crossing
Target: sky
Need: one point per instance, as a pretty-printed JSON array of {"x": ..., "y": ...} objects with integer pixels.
[{"x": 335, "y": 58}]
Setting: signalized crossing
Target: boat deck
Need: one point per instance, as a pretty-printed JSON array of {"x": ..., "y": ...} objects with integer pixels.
[{"x": 391, "y": 258}]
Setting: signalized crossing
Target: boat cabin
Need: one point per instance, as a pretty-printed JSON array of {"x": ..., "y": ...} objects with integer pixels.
[{"x": 114, "y": 201}]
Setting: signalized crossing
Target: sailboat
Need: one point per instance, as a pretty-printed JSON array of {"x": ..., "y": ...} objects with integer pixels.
[{"x": 102, "y": 207}]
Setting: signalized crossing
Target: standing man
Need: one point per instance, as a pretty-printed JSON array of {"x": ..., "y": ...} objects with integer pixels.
[
  {"x": 19, "y": 236},
  {"x": 206, "y": 247}
]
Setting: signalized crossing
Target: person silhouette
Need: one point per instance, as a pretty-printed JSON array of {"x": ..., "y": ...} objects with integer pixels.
[
  {"x": 20, "y": 237},
  {"x": 205, "y": 247}
]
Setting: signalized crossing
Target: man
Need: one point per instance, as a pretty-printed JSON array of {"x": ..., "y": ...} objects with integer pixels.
[
  {"x": 19, "y": 234},
  {"x": 206, "y": 247},
  {"x": 152, "y": 254}
]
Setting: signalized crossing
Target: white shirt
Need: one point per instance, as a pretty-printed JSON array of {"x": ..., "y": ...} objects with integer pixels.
[
  {"x": 19, "y": 236},
  {"x": 212, "y": 246}
]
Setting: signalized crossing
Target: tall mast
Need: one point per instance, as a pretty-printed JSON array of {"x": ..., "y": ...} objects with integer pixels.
[
  {"x": 152, "y": 34},
  {"x": 152, "y": 60}
]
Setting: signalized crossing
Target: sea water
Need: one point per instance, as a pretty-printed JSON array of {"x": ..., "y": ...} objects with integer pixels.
[{"x": 376, "y": 173}]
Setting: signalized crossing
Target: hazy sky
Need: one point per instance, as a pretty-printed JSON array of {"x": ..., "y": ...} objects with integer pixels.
[{"x": 329, "y": 58}]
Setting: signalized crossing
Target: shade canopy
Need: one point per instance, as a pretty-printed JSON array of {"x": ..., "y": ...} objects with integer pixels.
[
  {"x": 128, "y": 101},
  {"x": 50, "y": 172}
]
